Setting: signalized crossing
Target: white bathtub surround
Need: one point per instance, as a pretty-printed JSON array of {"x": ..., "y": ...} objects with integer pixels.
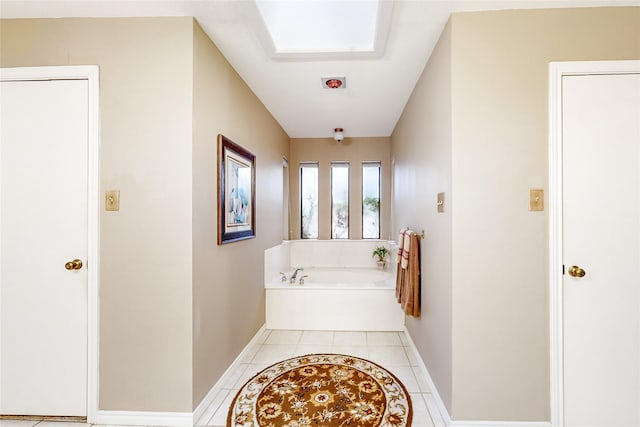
[
  {"x": 325, "y": 253},
  {"x": 277, "y": 259},
  {"x": 343, "y": 290}
]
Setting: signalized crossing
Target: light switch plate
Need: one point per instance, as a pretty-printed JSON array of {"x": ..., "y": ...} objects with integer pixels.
[
  {"x": 536, "y": 199},
  {"x": 112, "y": 200},
  {"x": 440, "y": 203}
]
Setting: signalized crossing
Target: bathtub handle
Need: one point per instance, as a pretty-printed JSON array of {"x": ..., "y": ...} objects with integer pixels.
[
  {"x": 283, "y": 278},
  {"x": 302, "y": 279}
]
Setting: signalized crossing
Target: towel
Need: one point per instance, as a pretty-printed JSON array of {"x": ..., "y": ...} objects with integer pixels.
[
  {"x": 399, "y": 270},
  {"x": 408, "y": 275},
  {"x": 410, "y": 298},
  {"x": 406, "y": 248},
  {"x": 400, "y": 245}
]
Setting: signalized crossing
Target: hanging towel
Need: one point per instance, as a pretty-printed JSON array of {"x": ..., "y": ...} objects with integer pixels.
[
  {"x": 399, "y": 270},
  {"x": 401, "y": 274},
  {"x": 410, "y": 297},
  {"x": 400, "y": 245},
  {"x": 406, "y": 248}
]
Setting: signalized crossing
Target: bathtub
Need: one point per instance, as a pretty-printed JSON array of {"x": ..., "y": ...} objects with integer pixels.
[{"x": 356, "y": 297}]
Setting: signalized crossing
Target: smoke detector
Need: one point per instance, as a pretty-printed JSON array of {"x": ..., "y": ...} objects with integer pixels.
[
  {"x": 334, "y": 82},
  {"x": 338, "y": 134}
]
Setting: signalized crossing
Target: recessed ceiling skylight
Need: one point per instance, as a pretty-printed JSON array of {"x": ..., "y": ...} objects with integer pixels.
[{"x": 325, "y": 26}]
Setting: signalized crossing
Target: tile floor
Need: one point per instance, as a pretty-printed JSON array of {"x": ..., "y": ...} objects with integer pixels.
[{"x": 389, "y": 349}]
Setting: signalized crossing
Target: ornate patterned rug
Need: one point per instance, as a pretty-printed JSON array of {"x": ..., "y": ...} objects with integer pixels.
[{"x": 322, "y": 390}]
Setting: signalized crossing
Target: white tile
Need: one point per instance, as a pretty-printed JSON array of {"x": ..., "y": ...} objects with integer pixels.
[
  {"x": 233, "y": 376},
  {"x": 317, "y": 337},
  {"x": 352, "y": 350},
  {"x": 433, "y": 410},
  {"x": 18, "y": 423},
  {"x": 418, "y": 404},
  {"x": 61, "y": 424},
  {"x": 349, "y": 338},
  {"x": 251, "y": 371},
  {"x": 326, "y": 254},
  {"x": 108, "y": 425},
  {"x": 405, "y": 339},
  {"x": 220, "y": 416},
  {"x": 422, "y": 380},
  {"x": 271, "y": 353},
  {"x": 388, "y": 355},
  {"x": 284, "y": 337},
  {"x": 250, "y": 353},
  {"x": 383, "y": 338},
  {"x": 213, "y": 407},
  {"x": 413, "y": 357},
  {"x": 421, "y": 416},
  {"x": 304, "y": 349},
  {"x": 300, "y": 255},
  {"x": 407, "y": 378},
  {"x": 263, "y": 337}
]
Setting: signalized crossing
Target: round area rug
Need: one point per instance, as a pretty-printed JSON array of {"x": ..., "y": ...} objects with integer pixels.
[{"x": 322, "y": 390}]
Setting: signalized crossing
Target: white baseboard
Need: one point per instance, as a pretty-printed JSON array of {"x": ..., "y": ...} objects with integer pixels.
[
  {"x": 499, "y": 424},
  {"x": 174, "y": 419},
  {"x": 444, "y": 414},
  {"x": 142, "y": 418},
  {"x": 219, "y": 385}
]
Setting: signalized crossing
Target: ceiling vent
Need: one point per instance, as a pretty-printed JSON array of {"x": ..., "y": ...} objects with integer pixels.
[{"x": 334, "y": 82}]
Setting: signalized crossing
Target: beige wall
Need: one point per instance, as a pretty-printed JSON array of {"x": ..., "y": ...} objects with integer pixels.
[
  {"x": 175, "y": 309},
  {"x": 145, "y": 292},
  {"x": 499, "y": 66},
  {"x": 228, "y": 283},
  {"x": 422, "y": 169},
  {"x": 355, "y": 151}
]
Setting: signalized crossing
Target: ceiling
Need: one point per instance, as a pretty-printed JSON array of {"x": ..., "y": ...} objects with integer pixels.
[{"x": 377, "y": 88}]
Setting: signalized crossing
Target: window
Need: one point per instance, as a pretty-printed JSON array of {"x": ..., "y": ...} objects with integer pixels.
[
  {"x": 371, "y": 200},
  {"x": 309, "y": 200},
  {"x": 339, "y": 200}
]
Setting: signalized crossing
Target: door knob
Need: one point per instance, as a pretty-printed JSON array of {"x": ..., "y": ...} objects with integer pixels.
[
  {"x": 575, "y": 271},
  {"x": 76, "y": 264}
]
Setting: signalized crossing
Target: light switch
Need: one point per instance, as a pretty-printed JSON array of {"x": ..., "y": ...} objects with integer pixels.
[
  {"x": 112, "y": 200},
  {"x": 536, "y": 199},
  {"x": 440, "y": 203}
]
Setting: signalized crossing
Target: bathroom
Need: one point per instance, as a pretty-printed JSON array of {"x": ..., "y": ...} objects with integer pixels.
[{"x": 176, "y": 309}]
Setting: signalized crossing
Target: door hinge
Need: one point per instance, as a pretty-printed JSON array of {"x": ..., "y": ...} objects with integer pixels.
[{"x": 563, "y": 269}]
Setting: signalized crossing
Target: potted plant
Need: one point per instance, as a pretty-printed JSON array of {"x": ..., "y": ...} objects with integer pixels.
[{"x": 381, "y": 252}]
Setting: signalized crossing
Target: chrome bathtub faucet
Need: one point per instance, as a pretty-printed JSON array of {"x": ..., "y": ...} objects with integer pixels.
[{"x": 292, "y": 280}]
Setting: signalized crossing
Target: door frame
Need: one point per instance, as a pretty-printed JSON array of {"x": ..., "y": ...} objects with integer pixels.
[
  {"x": 91, "y": 74},
  {"x": 558, "y": 70}
]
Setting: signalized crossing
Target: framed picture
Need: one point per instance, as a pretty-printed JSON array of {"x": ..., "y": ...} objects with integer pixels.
[{"x": 236, "y": 192}]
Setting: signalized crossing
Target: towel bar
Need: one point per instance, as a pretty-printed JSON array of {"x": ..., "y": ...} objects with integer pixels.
[{"x": 420, "y": 235}]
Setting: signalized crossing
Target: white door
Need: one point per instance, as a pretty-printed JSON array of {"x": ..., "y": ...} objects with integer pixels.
[
  {"x": 43, "y": 214},
  {"x": 601, "y": 238}
]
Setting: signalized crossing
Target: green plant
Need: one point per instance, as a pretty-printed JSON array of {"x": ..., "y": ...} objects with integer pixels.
[
  {"x": 373, "y": 203},
  {"x": 381, "y": 252}
]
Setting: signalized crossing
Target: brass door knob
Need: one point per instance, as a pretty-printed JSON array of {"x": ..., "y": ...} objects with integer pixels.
[
  {"x": 76, "y": 264},
  {"x": 575, "y": 271}
]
